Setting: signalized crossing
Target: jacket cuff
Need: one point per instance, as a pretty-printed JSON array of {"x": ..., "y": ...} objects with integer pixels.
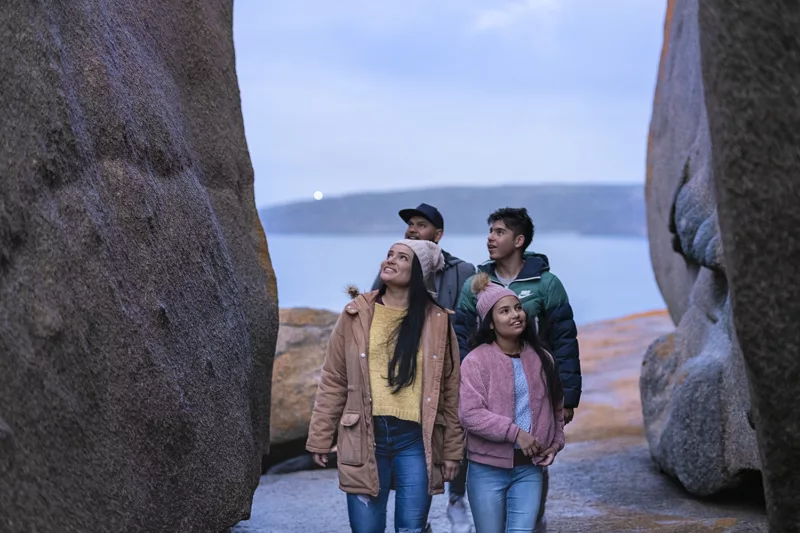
[
  {"x": 571, "y": 400},
  {"x": 314, "y": 449},
  {"x": 513, "y": 431}
]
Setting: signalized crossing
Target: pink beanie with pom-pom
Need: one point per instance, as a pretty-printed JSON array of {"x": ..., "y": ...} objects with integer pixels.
[{"x": 488, "y": 293}]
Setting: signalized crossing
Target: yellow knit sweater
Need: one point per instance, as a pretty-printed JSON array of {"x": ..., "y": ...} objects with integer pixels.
[{"x": 404, "y": 404}]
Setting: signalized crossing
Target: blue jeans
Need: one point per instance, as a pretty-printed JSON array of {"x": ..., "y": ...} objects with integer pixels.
[
  {"x": 504, "y": 500},
  {"x": 400, "y": 454}
]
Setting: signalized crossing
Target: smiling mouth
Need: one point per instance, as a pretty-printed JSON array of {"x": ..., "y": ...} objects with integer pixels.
[
  {"x": 389, "y": 269},
  {"x": 516, "y": 323}
]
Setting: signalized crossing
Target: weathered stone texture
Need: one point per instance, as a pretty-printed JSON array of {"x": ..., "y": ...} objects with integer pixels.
[
  {"x": 138, "y": 310},
  {"x": 694, "y": 394}
]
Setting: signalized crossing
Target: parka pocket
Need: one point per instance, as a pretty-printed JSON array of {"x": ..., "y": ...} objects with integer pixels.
[
  {"x": 437, "y": 440},
  {"x": 349, "y": 443}
]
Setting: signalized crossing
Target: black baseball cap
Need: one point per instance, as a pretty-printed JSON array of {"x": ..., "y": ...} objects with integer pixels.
[{"x": 426, "y": 211}]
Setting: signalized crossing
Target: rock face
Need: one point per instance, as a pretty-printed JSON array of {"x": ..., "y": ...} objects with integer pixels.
[
  {"x": 751, "y": 70},
  {"x": 694, "y": 388},
  {"x": 302, "y": 343},
  {"x": 138, "y": 308}
]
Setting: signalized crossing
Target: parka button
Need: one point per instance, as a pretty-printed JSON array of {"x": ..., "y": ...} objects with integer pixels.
[
  {"x": 429, "y": 398},
  {"x": 434, "y": 356},
  {"x": 363, "y": 355},
  {"x": 438, "y": 314}
]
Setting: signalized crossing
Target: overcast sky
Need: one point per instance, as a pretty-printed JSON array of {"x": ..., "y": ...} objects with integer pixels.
[{"x": 343, "y": 96}]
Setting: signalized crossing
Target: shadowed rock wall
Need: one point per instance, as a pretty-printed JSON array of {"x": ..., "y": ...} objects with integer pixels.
[
  {"x": 695, "y": 397},
  {"x": 138, "y": 307},
  {"x": 751, "y": 69},
  {"x": 723, "y": 200}
]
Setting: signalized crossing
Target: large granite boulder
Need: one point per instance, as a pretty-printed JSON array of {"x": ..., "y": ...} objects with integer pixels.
[
  {"x": 694, "y": 389},
  {"x": 138, "y": 308},
  {"x": 302, "y": 343},
  {"x": 750, "y": 52}
]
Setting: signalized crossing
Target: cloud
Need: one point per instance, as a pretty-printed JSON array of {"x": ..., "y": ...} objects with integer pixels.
[
  {"x": 350, "y": 96},
  {"x": 492, "y": 19}
]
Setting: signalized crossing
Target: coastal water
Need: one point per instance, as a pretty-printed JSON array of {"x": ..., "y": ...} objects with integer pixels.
[{"x": 605, "y": 277}]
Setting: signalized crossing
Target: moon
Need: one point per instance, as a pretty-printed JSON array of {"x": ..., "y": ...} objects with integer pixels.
[{"x": 318, "y": 195}]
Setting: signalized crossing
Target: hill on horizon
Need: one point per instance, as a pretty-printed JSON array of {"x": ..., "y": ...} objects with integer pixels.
[{"x": 585, "y": 209}]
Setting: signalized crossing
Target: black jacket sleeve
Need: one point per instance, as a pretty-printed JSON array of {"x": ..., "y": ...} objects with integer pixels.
[{"x": 560, "y": 333}]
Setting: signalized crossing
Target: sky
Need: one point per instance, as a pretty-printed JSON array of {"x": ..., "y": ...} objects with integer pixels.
[{"x": 371, "y": 95}]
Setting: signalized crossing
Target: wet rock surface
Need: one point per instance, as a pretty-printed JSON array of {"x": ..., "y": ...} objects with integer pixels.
[
  {"x": 604, "y": 481},
  {"x": 713, "y": 447},
  {"x": 138, "y": 308}
]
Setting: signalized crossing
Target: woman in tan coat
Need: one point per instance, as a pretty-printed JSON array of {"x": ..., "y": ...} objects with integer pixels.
[{"x": 389, "y": 386}]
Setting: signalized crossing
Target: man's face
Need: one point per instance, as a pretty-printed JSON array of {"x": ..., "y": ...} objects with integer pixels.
[
  {"x": 421, "y": 229},
  {"x": 501, "y": 242}
]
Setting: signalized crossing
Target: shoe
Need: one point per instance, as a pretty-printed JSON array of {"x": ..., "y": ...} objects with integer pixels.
[
  {"x": 541, "y": 527},
  {"x": 459, "y": 517}
]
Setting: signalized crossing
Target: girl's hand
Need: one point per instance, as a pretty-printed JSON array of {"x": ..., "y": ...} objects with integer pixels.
[
  {"x": 528, "y": 444},
  {"x": 549, "y": 456},
  {"x": 450, "y": 470},
  {"x": 321, "y": 459}
]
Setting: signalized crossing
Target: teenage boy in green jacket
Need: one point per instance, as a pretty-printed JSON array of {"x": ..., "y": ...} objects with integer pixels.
[{"x": 542, "y": 296}]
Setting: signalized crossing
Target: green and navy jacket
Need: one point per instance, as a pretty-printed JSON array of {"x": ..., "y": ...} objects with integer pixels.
[{"x": 545, "y": 302}]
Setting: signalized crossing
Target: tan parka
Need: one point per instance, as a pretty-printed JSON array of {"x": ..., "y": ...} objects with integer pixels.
[{"x": 344, "y": 399}]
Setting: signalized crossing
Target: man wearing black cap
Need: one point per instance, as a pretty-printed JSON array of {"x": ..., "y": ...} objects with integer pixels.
[{"x": 425, "y": 222}]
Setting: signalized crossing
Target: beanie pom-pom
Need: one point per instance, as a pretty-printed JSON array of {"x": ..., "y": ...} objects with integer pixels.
[{"x": 479, "y": 282}]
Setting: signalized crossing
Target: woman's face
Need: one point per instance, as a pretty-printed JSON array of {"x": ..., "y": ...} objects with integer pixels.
[
  {"x": 396, "y": 268},
  {"x": 508, "y": 318}
]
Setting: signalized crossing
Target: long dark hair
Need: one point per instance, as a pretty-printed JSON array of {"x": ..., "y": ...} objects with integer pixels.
[
  {"x": 407, "y": 336},
  {"x": 486, "y": 335}
]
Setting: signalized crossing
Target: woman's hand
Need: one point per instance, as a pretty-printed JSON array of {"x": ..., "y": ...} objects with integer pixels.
[
  {"x": 450, "y": 469},
  {"x": 321, "y": 459},
  {"x": 528, "y": 444},
  {"x": 549, "y": 456}
]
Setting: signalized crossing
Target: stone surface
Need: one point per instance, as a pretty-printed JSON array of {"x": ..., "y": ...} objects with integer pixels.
[
  {"x": 694, "y": 389},
  {"x": 751, "y": 69},
  {"x": 603, "y": 481},
  {"x": 138, "y": 312},
  {"x": 302, "y": 342}
]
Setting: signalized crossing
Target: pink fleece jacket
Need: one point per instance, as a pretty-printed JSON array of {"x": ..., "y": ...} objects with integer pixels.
[{"x": 486, "y": 405}]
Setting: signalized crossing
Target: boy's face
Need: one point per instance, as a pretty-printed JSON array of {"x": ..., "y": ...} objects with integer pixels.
[{"x": 502, "y": 243}]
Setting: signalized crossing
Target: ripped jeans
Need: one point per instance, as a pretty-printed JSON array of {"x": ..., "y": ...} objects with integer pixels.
[{"x": 400, "y": 454}]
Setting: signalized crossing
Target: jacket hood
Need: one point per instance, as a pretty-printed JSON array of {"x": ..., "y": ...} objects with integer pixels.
[
  {"x": 451, "y": 260},
  {"x": 535, "y": 265},
  {"x": 359, "y": 300}
]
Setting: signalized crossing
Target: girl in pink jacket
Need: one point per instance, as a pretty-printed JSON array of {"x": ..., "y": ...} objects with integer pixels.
[{"x": 511, "y": 407}]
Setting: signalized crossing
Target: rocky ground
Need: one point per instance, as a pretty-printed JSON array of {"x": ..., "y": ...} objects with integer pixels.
[{"x": 603, "y": 481}]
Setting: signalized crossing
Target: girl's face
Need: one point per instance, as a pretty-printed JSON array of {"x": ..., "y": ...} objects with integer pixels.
[
  {"x": 396, "y": 268},
  {"x": 508, "y": 318}
]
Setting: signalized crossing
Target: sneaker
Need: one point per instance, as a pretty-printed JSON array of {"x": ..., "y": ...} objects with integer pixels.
[
  {"x": 458, "y": 515},
  {"x": 541, "y": 527}
]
